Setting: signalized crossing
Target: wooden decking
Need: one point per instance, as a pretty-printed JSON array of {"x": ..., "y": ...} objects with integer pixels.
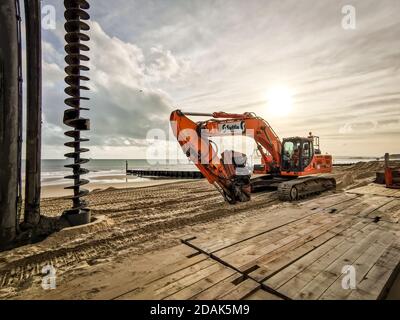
[{"x": 294, "y": 252}]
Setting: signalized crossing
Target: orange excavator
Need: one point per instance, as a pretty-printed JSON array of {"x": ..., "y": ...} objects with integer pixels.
[{"x": 289, "y": 166}]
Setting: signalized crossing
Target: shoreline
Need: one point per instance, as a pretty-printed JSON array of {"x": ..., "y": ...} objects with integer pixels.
[{"x": 99, "y": 183}]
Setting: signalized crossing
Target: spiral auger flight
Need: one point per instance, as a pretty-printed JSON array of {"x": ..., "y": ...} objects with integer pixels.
[{"x": 75, "y": 15}]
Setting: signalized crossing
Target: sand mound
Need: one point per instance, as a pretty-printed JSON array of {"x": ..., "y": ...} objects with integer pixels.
[{"x": 359, "y": 174}]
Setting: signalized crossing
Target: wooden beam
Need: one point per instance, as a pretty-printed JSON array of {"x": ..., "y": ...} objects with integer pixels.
[
  {"x": 9, "y": 120},
  {"x": 34, "y": 112}
]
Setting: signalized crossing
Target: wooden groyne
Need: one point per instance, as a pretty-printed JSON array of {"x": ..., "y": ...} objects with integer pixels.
[
  {"x": 179, "y": 174},
  {"x": 166, "y": 173}
]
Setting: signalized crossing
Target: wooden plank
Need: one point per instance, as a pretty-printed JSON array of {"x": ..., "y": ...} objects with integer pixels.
[
  {"x": 268, "y": 240},
  {"x": 241, "y": 291},
  {"x": 377, "y": 281},
  {"x": 389, "y": 212},
  {"x": 187, "y": 281},
  {"x": 327, "y": 201},
  {"x": 375, "y": 189},
  {"x": 218, "y": 289},
  {"x": 202, "y": 285},
  {"x": 186, "y": 257},
  {"x": 369, "y": 189},
  {"x": 148, "y": 290},
  {"x": 263, "y": 224},
  {"x": 366, "y": 205},
  {"x": 326, "y": 277},
  {"x": 279, "y": 279},
  {"x": 179, "y": 265},
  {"x": 362, "y": 265},
  {"x": 300, "y": 238},
  {"x": 275, "y": 265},
  {"x": 261, "y": 294},
  {"x": 275, "y": 219},
  {"x": 309, "y": 268},
  {"x": 392, "y": 192},
  {"x": 389, "y": 226},
  {"x": 360, "y": 190},
  {"x": 338, "y": 208}
]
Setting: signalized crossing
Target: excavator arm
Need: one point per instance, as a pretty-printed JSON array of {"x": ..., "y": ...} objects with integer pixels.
[{"x": 227, "y": 172}]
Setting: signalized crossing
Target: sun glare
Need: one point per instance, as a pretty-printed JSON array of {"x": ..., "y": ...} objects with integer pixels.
[{"x": 279, "y": 101}]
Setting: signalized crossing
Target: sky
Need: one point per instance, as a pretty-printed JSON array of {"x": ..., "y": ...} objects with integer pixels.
[{"x": 291, "y": 62}]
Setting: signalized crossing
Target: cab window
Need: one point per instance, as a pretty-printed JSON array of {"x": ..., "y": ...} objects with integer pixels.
[
  {"x": 291, "y": 155},
  {"x": 307, "y": 153},
  {"x": 288, "y": 148}
]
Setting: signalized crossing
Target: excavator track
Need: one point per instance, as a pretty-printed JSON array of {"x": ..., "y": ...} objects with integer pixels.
[{"x": 301, "y": 188}]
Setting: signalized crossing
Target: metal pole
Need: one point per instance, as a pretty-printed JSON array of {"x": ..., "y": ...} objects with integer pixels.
[
  {"x": 126, "y": 170},
  {"x": 20, "y": 115},
  {"x": 387, "y": 160},
  {"x": 9, "y": 120},
  {"x": 34, "y": 112}
]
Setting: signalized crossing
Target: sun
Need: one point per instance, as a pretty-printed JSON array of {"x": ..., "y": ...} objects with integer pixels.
[{"x": 279, "y": 101}]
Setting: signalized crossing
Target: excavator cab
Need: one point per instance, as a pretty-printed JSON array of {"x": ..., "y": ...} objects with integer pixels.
[{"x": 297, "y": 154}]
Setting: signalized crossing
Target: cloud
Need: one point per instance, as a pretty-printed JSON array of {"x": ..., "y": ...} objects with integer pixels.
[
  {"x": 52, "y": 75},
  {"x": 212, "y": 55},
  {"x": 164, "y": 66},
  {"x": 123, "y": 101},
  {"x": 365, "y": 128}
]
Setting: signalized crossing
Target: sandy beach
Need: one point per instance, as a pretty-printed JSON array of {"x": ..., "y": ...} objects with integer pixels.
[{"x": 131, "y": 222}]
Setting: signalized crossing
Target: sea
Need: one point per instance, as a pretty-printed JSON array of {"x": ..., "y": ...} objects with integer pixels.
[
  {"x": 106, "y": 170},
  {"x": 53, "y": 170}
]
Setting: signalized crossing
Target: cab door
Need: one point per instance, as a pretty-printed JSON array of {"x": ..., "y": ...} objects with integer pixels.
[{"x": 307, "y": 153}]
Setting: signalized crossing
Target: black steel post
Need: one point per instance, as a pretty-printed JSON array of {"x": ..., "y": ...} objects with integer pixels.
[
  {"x": 34, "y": 112},
  {"x": 10, "y": 115}
]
